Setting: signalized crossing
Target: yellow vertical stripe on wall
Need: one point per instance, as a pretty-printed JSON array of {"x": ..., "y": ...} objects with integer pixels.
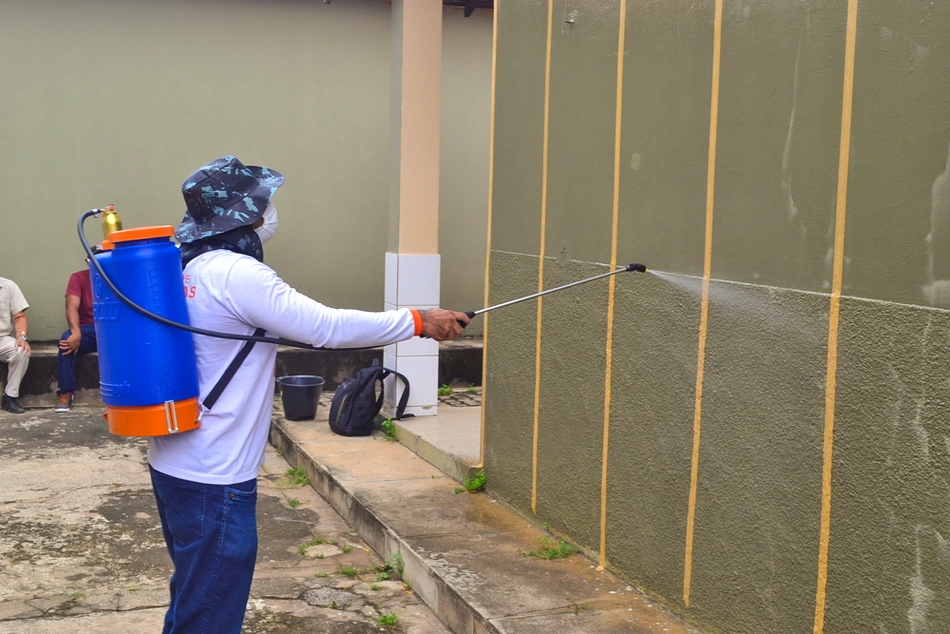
[
  {"x": 491, "y": 181},
  {"x": 704, "y": 314},
  {"x": 610, "y": 292},
  {"x": 844, "y": 157},
  {"x": 544, "y": 209}
]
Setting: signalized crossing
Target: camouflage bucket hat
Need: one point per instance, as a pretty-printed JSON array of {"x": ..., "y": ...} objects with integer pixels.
[{"x": 223, "y": 195}]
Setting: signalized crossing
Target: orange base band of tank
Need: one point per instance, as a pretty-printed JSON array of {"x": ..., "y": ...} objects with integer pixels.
[{"x": 154, "y": 420}]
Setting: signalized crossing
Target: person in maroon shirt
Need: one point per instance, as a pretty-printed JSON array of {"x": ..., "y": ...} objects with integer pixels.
[{"x": 80, "y": 339}]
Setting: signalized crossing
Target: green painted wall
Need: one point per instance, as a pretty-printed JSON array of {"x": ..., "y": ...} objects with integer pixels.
[
  {"x": 109, "y": 101},
  {"x": 892, "y": 471},
  {"x": 757, "y": 527}
]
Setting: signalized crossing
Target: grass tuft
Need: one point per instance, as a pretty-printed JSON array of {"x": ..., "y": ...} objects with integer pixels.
[
  {"x": 298, "y": 476},
  {"x": 551, "y": 549},
  {"x": 476, "y": 484},
  {"x": 388, "y": 620}
]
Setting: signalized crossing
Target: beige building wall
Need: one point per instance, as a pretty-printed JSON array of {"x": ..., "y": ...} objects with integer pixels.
[{"x": 108, "y": 101}]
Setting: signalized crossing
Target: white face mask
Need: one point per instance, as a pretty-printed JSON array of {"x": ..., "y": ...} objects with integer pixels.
[{"x": 267, "y": 230}]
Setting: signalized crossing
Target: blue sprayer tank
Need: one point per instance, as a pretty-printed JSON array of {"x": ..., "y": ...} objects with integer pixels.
[{"x": 147, "y": 370}]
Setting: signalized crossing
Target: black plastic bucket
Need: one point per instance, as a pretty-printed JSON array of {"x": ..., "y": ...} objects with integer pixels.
[{"x": 300, "y": 395}]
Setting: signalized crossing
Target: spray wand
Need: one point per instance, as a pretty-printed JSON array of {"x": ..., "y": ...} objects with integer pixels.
[
  {"x": 639, "y": 268},
  {"x": 112, "y": 217}
]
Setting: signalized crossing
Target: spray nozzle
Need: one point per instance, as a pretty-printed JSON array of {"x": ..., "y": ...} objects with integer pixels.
[{"x": 639, "y": 268}]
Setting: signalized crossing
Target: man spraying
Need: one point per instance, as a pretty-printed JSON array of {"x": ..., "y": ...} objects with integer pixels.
[{"x": 205, "y": 481}]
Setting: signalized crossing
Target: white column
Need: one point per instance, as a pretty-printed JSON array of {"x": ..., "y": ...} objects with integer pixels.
[
  {"x": 413, "y": 264},
  {"x": 412, "y": 281}
]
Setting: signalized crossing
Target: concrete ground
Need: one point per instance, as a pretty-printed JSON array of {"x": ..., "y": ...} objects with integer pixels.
[
  {"x": 81, "y": 548},
  {"x": 466, "y": 555}
]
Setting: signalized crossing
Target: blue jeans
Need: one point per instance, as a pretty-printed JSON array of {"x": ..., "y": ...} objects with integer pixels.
[
  {"x": 67, "y": 362},
  {"x": 211, "y": 534}
]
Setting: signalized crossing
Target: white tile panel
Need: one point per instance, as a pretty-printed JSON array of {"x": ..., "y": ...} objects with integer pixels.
[
  {"x": 419, "y": 279},
  {"x": 423, "y": 375}
]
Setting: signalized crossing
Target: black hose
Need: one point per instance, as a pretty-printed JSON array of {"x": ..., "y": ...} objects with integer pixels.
[{"x": 174, "y": 324}]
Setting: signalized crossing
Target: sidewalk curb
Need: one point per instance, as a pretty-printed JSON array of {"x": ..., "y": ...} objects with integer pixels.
[
  {"x": 432, "y": 588},
  {"x": 452, "y": 466}
]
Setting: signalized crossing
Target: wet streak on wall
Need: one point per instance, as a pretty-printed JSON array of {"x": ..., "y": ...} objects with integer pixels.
[
  {"x": 757, "y": 519},
  {"x": 777, "y": 152},
  {"x": 889, "y": 556},
  {"x": 892, "y": 457},
  {"x": 757, "y": 524},
  {"x": 899, "y": 185}
]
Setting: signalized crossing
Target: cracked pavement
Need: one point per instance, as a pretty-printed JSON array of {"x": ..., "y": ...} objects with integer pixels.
[{"x": 82, "y": 550}]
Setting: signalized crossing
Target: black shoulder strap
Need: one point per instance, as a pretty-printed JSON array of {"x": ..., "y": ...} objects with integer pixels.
[
  {"x": 231, "y": 371},
  {"x": 404, "y": 399}
]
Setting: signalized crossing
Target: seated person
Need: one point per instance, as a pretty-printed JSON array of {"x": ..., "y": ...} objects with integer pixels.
[
  {"x": 80, "y": 339},
  {"x": 14, "y": 347}
]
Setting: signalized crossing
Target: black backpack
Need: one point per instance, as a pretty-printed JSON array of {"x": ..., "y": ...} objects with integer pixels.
[{"x": 355, "y": 404}]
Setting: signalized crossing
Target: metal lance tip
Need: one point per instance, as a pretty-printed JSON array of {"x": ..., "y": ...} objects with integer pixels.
[{"x": 639, "y": 268}]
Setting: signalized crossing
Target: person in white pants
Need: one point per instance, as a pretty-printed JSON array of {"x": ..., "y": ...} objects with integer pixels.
[{"x": 14, "y": 345}]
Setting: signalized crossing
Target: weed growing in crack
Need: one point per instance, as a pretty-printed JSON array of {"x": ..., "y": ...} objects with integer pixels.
[
  {"x": 389, "y": 428},
  {"x": 298, "y": 476},
  {"x": 388, "y": 620},
  {"x": 551, "y": 549},
  {"x": 476, "y": 484},
  {"x": 315, "y": 542}
]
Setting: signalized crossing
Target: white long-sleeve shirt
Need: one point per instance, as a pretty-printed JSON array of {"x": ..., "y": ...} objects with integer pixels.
[{"x": 233, "y": 293}]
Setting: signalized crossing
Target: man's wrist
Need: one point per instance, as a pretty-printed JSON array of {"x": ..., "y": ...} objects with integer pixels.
[
  {"x": 417, "y": 317},
  {"x": 22, "y": 335}
]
